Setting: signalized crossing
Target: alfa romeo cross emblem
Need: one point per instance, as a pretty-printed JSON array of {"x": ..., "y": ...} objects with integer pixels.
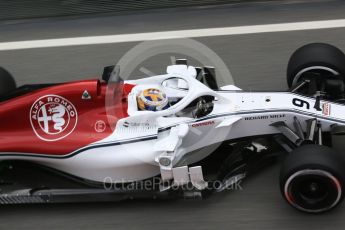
[{"x": 53, "y": 117}]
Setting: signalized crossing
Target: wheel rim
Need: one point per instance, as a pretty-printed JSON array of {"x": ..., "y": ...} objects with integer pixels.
[
  {"x": 300, "y": 74},
  {"x": 313, "y": 190}
]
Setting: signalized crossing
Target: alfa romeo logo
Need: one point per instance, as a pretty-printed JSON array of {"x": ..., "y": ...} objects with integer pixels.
[{"x": 53, "y": 117}]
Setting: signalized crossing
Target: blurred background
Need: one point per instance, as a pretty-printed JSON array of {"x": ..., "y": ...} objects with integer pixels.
[
  {"x": 18, "y": 9},
  {"x": 257, "y": 61}
]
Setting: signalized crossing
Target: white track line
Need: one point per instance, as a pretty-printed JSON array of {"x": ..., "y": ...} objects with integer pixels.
[{"x": 193, "y": 33}]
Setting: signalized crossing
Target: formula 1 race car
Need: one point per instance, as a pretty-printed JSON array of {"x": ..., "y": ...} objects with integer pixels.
[{"x": 174, "y": 135}]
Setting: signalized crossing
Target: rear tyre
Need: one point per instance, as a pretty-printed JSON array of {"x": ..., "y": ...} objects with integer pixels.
[
  {"x": 318, "y": 61},
  {"x": 7, "y": 83},
  {"x": 312, "y": 178}
]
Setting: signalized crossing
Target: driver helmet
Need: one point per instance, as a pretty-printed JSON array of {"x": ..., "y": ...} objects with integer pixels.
[{"x": 152, "y": 99}]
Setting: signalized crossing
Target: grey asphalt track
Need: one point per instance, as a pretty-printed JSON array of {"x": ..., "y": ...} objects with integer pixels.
[{"x": 256, "y": 61}]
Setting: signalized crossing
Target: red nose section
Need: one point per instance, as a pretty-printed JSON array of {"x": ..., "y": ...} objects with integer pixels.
[{"x": 60, "y": 119}]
